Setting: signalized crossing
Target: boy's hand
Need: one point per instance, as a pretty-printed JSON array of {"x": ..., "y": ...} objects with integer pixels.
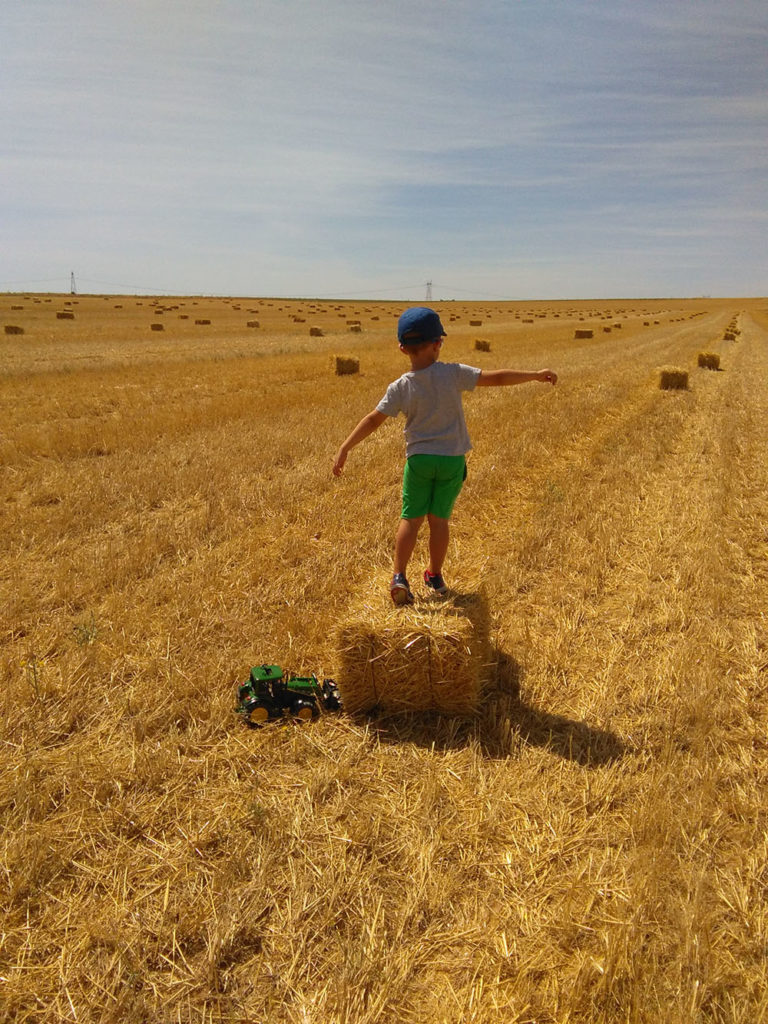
[
  {"x": 547, "y": 376},
  {"x": 366, "y": 426},
  {"x": 338, "y": 462}
]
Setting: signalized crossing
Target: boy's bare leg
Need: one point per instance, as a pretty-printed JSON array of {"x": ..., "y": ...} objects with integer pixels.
[
  {"x": 438, "y": 543},
  {"x": 405, "y": 542}
]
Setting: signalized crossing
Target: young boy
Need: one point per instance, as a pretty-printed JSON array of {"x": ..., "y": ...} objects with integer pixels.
[{"x": 429, "y": 395}]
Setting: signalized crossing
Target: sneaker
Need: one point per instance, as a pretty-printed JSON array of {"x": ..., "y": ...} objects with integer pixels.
[
  {"x": 399, "y": 589},
  {"x": 435, "y": 582}
]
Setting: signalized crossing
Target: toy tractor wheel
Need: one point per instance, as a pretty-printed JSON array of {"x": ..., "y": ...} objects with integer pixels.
[
  {"x": 260, "y": 712},
  {"x": 304, "y": 710},
  {"x": 331, "y": 696}
]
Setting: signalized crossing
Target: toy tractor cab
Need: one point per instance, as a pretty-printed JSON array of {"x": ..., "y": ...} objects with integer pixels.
[{"x": 271, "y": 693}]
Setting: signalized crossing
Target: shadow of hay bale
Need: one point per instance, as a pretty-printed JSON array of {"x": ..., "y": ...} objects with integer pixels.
[{"x": 504, "y": 727}]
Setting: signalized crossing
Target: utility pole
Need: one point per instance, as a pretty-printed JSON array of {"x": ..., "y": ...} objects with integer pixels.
[
  {"x": 72, "y": 286},
  {"x": 429, "y": 291}
]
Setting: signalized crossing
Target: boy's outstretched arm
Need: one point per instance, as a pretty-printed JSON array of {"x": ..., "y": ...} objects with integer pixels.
[
  {"x": 503, "y": 378},
  {"x": 366, "y": 426}
]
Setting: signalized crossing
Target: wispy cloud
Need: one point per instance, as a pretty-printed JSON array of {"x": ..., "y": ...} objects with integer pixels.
[{"x": 337, "y": 146}]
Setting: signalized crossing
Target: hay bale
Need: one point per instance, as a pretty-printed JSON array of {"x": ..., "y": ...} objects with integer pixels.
[
  {"x": 315, "y": 332},
  {"x": 729, "y": 336},
  {"x": 433, "y": 656},
  {"x": 475, "y": 323},
  {"x": 346, "y": 365},
  {"x": 481, "y": 345},
  {"x": 673, "y": 379},
  {"x": 709, "y": 360},
  {"x": 253, "y": 323},
  {"x": 202, "y": 322},
  {"x": 65, "y": 314},
  {"x": 13, "y": 329},
  {"x": 157, "y": 327},
  {"x": 583, "y": 332},
  {"x": 356, "y": 328}
]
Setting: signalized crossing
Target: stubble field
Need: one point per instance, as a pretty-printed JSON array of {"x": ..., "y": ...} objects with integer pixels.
[{"x": 591, "y": 848}]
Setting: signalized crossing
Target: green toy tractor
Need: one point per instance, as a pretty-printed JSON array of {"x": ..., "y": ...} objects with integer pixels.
[{"x": 271, "y": 693}]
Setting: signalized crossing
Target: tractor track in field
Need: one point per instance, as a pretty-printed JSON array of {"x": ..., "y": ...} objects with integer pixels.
[
  {"x": 601, "y": 408},
  {"x": 619, "y": 569}
]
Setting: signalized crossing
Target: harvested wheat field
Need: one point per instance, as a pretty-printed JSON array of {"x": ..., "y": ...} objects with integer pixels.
[{"x": 589, "y": 847}]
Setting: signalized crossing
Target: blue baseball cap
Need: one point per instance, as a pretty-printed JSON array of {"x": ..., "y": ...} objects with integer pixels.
[{"x": 417, "y": 324}]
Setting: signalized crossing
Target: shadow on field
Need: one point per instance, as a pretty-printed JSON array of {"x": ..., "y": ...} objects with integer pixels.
[{"x": 504, "y": 727}]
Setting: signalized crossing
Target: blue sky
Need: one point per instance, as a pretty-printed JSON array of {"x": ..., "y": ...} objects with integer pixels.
[{"x": 499, "y": 148}]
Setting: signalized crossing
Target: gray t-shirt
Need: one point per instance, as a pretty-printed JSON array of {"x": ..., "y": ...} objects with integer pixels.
[{"x": 430, "y": 399}]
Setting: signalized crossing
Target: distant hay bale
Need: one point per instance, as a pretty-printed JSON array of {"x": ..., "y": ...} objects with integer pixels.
[
  {"x": 316, "y": 332},
  {"x": 673, "y": 379},
  {"x": 65, "y": 314},
  {"x": 253, "y": 323},
  {"x": 527, "y": 321},
  {"x": 157, "y": 327},
  {"x": 13, "y": 329},
  {"x": 202, "y": 321},
  {"x": 16, "y": 308},
  {"x": 475, "y": 323},
  {"x": 583, "y": 332},
  {"x": 346, "y": 365},
  {"x": 709, "y": 360},
  {"x": 481, "y": 345},
  {"x": 606, "y": 330},
  {"x": 355, "y": 328},
  {"x": 729, "y": 336},
  {"x": 433, "y": 656}
]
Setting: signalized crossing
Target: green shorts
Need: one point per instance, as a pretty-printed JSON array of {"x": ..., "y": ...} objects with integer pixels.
[{"x": 431, "y": 484}]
